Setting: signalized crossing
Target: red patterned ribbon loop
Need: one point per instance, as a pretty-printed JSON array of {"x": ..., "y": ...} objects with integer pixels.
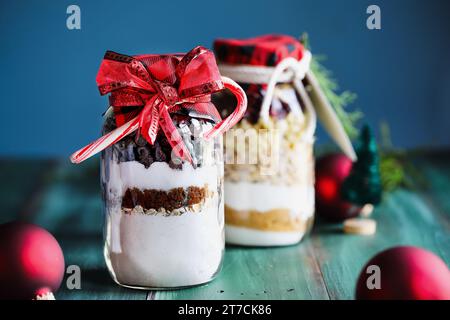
[{"x": 145, "y": 89}]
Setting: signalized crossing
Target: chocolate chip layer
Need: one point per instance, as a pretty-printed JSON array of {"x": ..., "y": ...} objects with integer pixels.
[{"x": 136, "y": 148}]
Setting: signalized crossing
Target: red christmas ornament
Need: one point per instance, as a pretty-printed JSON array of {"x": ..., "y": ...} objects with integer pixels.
[
  {"x": 331, "y": 171},
  {"x": 31, "y": 262},
  {"x": 406, "y": 273}
]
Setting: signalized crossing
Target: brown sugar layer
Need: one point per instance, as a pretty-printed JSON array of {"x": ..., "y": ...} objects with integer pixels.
[
  {"x": 169, "y": 200},
  {"x": 272, "y": 220}
]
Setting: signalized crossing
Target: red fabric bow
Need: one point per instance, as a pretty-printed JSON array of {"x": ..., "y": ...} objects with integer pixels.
[
  {"x": 159, "y": 85},
  {"x": 146, "y": 89}
]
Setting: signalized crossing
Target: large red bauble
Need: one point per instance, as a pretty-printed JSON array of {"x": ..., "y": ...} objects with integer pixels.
[
  {"x": 31, "y": 261},
  {"x": 406, "y": 273},
  {"x": 331, "y": 171}
]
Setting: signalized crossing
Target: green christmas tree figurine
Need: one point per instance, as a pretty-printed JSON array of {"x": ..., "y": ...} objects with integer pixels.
[{"x": 363, "y": 185}]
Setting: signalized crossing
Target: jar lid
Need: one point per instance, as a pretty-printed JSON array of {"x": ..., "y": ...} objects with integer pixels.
[{"x": 266, "y": 50}]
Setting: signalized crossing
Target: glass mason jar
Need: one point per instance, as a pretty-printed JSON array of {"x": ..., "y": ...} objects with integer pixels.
[
  {"x": 164, "y": 218},
  {"x": 269, "y": 198}
]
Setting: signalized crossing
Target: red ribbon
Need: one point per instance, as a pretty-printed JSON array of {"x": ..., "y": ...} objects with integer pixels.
[{"x": 146, "y": 89}]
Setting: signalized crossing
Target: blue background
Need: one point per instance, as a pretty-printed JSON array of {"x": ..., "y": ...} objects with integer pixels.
[{"x": 50, "y": 104}]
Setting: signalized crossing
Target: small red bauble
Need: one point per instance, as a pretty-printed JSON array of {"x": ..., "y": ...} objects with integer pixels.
[
  {"x": 331, "y": 171},
  {"x": 406, "y": 273},
  {"x": 31, "y": 262}
]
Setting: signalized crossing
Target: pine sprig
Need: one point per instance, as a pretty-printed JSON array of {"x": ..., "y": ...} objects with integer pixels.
[
  {"x": 392, "y": 172},
  {"x": 395, "y": 166}
]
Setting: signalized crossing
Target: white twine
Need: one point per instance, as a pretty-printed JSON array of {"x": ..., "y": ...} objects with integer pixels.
[
  {"x": 289, "y": 70},
  {"x": 263, "y": 74}
]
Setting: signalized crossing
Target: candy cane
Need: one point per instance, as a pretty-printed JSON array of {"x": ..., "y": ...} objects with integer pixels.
[
  {"x": 105, "y": 141},
  {"x": 132, "y": 125},
  {"x": 237, "y": 114}
]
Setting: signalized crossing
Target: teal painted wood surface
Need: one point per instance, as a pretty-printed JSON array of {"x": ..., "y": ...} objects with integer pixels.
[{"x": 65, "y": 199}]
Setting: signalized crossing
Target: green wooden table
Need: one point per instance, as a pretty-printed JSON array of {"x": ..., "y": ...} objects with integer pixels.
[{"x": 65, "y": 199}]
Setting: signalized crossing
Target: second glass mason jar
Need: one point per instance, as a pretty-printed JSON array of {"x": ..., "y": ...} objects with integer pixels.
[{"x": 268, "y": 207}]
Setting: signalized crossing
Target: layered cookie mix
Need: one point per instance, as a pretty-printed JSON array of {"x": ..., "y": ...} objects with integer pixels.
[
  {"x": 160, "y": 211},
  {"x": 270, "y": 207}
]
